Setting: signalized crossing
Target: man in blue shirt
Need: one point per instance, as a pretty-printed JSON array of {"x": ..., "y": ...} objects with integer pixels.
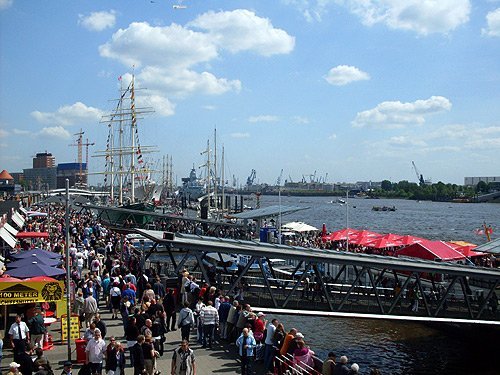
[
  {"x": 246, "y": 344},
  {"x": 130, "y": 294}
]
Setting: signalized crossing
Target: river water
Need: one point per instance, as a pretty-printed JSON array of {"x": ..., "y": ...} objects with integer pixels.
[{"x": 399, "y": 347}]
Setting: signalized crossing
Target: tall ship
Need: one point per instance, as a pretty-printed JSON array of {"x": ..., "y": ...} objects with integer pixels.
[{"x": 128, "y": 175}]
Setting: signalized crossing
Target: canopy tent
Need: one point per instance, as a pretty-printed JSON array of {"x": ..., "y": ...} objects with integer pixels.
[
  {"x": 8, "y": 279},
  {"x": 431, "y": 250},
  {"x": 409, "y": 240},
  {"x": 36, "y": 253},
  {"x": 27, "y": 261},
  {"x": 363, "y": 237},
  {"x": 32, "y": 235},
  {"x": 36, "y": 214},
  {"x": 298, "y": 226},
  {"x": 41, "y": 278},
  {"x": 35, "y": 269},
  {"x": 465, "y": 248},
  {"x": 492, "y": 247}
]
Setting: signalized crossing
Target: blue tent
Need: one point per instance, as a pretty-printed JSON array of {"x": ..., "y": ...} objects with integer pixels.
[
  {"x": 36, "y": 253},
  {"x": 35, "y": 269},
  {"x": 27, "y": 261}
]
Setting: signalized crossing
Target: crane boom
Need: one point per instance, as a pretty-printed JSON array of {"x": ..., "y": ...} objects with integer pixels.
[{"x": 420, "y": 176}]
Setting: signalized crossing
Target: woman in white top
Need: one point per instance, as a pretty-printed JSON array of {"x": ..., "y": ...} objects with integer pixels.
[{"x": 115, "y": 295}]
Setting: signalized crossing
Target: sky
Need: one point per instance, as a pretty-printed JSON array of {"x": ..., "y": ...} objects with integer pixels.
[{"x": 343, "y": 90}]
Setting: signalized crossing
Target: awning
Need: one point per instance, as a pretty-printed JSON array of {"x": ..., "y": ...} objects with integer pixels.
[
  {"x": 7, "y": 237},
  {"x": 18, "y": 219},
  {"x": 298, "y": 226},
  {"x": 10, "y": 229},
  {"x": 32, "y": 235},
  {"x": 271, "y": 211}
]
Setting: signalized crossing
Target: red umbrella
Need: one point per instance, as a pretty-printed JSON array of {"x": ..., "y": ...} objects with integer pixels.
[
  {"x": 9, "y": 279},
  {"x": 363, "y": 237},
  {"x": 41, "y": 278},
  {"x": 342, "y": 234},
  {"x": 389, "y": 240}
]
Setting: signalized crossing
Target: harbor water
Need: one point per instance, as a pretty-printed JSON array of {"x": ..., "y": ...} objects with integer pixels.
[{"x": 399, "y": 347}]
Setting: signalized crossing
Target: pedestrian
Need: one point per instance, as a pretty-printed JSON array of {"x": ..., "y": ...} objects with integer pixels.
[
  {"x": 329, "y": 364},
  {"x": 14, "y": 369},
  {"x": 137, "y": 356},
  {"x": 269, "y": 348},
  {"x": 115, "y": 359},
  {"x": 78, "y": 307},
  {"x": 19, "y": 336},
  {"x": 354, "y": 369},
  {"x": 115, "y": 295},
  {"x": 90, "y": 308},
  {"x": 246, "y": 344},
  {"x": 183, "y": 360},
  {"x": 210, "y": 320},
  {"x": 169, "y": 305},
  {"x": 95, "y": 350},
  {"x": 37, "y": 329},
  {"x": 341, "y": 366},
  {"x": 26, "y": 363},
  {"x": 149, "y": 354},
  {"x": 67, "y": 368},
  {"x": 99, "y": 323},
  {"x": 186, "y": 321}
]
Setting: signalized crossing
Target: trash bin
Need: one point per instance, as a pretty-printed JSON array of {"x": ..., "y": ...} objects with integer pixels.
[{"x": 81, "y": 344}]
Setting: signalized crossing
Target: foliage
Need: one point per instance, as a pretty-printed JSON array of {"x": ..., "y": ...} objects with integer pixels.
[{"x": 436, "y": 192}]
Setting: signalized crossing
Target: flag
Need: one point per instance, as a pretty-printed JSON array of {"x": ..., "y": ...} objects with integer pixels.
[{"x": 119, "y": 78}]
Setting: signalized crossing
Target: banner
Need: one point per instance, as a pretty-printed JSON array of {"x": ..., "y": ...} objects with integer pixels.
[{"x": 13, "y": 293}]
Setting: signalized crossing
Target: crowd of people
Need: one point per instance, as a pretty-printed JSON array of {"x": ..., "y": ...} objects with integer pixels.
[{"x": 107, "y": 271}]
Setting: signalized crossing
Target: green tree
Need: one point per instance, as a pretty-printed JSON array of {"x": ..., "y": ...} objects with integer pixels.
[{"x": 386, "y": 185}]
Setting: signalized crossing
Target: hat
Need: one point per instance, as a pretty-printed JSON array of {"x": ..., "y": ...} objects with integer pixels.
[
  {"x": 299, "y": 335},
  {"x": 67, "y": 364},
  {"x": 14, "y": 365},
  {"x": 261, "y": 314}
]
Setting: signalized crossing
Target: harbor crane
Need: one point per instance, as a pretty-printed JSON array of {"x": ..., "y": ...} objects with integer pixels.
[
  {"x": 420, "y": 176},
  {"x": 280, "y": 177},
  {"x": 251, "y": 178}
]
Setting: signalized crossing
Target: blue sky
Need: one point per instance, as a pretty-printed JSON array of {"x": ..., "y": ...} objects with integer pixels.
[{"x": 356, "y": 89}]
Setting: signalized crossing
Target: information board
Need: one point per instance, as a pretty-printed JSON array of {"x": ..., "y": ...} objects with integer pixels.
[{"x": 74, "y": 328}]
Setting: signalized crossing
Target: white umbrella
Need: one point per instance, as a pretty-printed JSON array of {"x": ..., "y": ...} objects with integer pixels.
[{"x": 298, "y": 226}]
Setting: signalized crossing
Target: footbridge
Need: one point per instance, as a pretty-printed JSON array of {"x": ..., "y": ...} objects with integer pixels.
[{"x": 313, "y": 281}]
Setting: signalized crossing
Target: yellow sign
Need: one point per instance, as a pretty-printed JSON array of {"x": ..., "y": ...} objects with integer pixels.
[
  {"x": 74, "y": 327},
  {"x": 13, "y": 293}
]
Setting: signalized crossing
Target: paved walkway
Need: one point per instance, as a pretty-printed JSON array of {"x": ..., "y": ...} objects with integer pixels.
[{"x": 222, "y": 359}]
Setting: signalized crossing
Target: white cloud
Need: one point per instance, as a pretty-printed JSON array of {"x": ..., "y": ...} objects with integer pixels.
[
  {"x": 21, "y": 132},
  {"x": 5, "y": 4},
  {"x": 312, "y": 10},
  {"x": 3, "y": 133},
  {"x": 240, "y": 135},
  {"x": 423, "y": 17},
  {"x": 160, "y": 104},
  {"x": 343, "y": 74},
  {"x": 69, "y": 115},
  {"x": 332, "y": 136},
  {"x": 263, "y": 118},
  {"x": 242, "y": 30},
  {"x": 406, "y": 141},
  {"x": 209, "y": 107},
  {"x": 55, "y": 131},
  {"x": 98, "y": 21},
  {"x": 300, "y": 120},
  {"x": 493, "y": 20},
  {"x": 397, "y": 114}
]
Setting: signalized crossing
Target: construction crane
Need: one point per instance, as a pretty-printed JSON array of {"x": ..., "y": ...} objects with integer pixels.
[
  {"x": 251, "y": 178},
  {"x": 420, "y": 176},
  {"x": 280, "y": 177},
  {"x": 79, "y": 143}
]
